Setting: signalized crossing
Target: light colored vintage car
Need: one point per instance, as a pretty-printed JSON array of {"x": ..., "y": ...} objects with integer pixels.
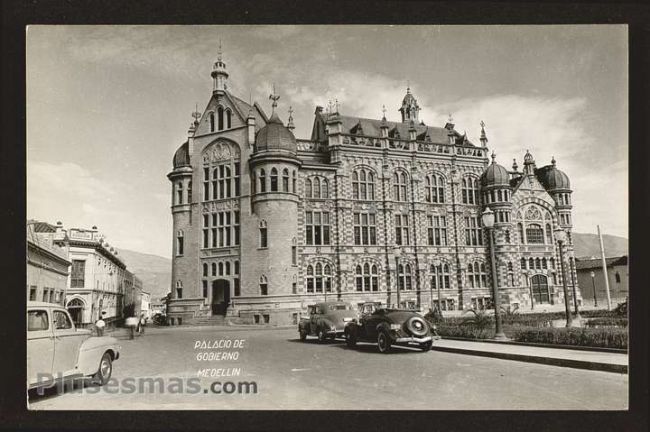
[
  {"x": 56, "y": 349},
  {"x": 326, "y": 320}
]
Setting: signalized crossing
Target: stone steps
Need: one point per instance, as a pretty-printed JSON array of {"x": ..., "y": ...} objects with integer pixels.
[{"x": 209, "y": 320}]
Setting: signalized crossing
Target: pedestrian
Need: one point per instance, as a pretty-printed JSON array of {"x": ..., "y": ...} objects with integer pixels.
[
  {"x": 141, "y": 324},
  {"x": 100, "y": 324}
]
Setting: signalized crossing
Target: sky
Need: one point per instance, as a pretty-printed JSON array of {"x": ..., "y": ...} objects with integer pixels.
[{"x": 107, "y": 106}]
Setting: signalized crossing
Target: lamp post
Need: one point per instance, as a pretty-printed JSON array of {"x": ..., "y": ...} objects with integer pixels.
[
  {"x": 488, "y": 222},
  {"x": 560, "y": 235},
  {"x": 573, "y": 287},
  {"x": 437, "y": 266},
  {"x": 397, "y": 250},
  {"x": 593, "y": 285}
]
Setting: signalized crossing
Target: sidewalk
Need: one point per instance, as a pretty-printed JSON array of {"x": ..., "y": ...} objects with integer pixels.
[{"x": 581, "y": 359}]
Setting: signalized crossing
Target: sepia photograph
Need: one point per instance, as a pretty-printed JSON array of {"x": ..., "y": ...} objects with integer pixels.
[{"x": 327, "y": 217}]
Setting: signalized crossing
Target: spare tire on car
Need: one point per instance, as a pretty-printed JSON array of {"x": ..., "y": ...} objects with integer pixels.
[{"x": 416, "y": 326}]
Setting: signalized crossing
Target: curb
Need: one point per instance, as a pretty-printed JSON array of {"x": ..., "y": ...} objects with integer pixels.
[
  {"x": 538, "y": 345},
  {"x": 577, "y": 364}
]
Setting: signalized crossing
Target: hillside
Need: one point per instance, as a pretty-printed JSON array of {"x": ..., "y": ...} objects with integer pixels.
[
  {"x": 154, "y": 271},
  {"x": 587, "y": 245}
]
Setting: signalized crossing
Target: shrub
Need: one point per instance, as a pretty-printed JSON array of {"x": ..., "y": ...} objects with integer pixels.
[
  {"x": 595, "y": 337},
  {"x": 607, "y": 322},
  {"x": 465, "y": 332}
]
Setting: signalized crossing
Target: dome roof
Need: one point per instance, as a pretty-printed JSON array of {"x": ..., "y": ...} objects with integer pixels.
[
  {"x": 182, "y": 156},
  {"x": 275, "y": 136},
  {"x": 495, "y": 175},
  {"x": 552, "y": 178},
  {"x": 409, "y": 99}
]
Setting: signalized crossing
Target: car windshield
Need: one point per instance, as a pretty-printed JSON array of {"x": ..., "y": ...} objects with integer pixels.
[{"x": 339, "y": 307}]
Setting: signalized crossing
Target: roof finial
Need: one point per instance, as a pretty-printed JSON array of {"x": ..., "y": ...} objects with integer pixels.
[
  {"x": 553, "y": 160},
  {"x": 514, "y": 165},
  {"x": 336, "y": 105},
  {"x": 383, "y": 110},
  {"x": 274, "y": 97},
  {"x": 329, "y": 106},
  {"x": 494, "y": 157},
  {"x": 408, "y": 86},
  {"x": 196, "y": 114},
  {"x": 450, "y": 120},
  {"x": 219, "y": 52},
  {"x": 290, "y": 124}
]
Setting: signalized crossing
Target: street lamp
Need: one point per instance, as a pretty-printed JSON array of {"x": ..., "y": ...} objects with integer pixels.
[
  {"x": 397, "y": 251},
  {"x": 437, "y": 267},
  {"x": 488, "y": 222},
  {"x": 593, "y": 285},
  {"x": 573, "y": 287},
  {"x": 560, "y": 236}
]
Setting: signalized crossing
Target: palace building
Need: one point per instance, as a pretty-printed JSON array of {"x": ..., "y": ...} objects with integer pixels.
[{"x": 265, "y": 223}]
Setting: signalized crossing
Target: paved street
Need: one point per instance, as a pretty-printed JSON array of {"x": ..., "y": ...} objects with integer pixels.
[{"x": 294, "y": 375}]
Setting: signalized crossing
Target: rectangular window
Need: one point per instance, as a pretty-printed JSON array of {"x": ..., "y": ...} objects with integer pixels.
[
  {"x": 236, "y": 228},
  {"x": 473, "y": 235},
  {"x": 402, "y": 229},
  {"x": 317, "y": 228},
  {"x": 365, "y": 229},
  {"x": 77, "y": 275},
  {"x": 237, "y": 181},
  {"x": 46, "y": 295},
  {"x": 437, "y": 230},
  {"x": 179, "y": 245},
  {"x": 264, "y": 289},
  {"x": 205, "y": 289},
  {"x": 294, "y": 288},
  {"x": 32, "y": 293},
  {"x": 294, "y": 255}
]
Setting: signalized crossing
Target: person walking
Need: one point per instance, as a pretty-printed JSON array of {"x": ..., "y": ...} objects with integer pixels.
[
  {"x": 100, "y": 324},
  {"x": 142, "y": 323}
]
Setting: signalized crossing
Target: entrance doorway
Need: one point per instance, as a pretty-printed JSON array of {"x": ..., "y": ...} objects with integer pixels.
[
  {"x": 76, "y": 308},
  {"x": 220, "y": 296},
  {"x": 539, "y": 284}
]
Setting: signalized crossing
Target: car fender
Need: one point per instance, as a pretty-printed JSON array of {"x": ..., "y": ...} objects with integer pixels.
[
  {"x": 92, "y": 350},
  {"x": 303, "y": 324},
  {"x": 383, "y": 326}
]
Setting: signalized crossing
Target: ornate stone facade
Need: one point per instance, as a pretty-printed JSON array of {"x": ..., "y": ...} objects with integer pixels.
[{"x": 265, "y": 224}]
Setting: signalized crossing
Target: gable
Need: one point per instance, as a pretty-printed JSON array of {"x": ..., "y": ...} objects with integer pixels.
[
  {"x": 228, "y": 104},
  {"x": 529, "y": 190}
]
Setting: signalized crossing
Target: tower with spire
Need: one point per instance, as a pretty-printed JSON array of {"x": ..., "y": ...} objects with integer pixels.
[
  {"x": 219, "y": 74},
  {"x": 410, "y": 109}
]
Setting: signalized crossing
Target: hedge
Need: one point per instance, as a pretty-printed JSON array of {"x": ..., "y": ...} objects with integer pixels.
[
  {"x": 607, "y": 322},
  {"x": 611, "y": 337},
  {"x": 468, "y": 332}
]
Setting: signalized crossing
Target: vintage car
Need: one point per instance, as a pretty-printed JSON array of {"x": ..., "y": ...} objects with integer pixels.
[
  {"x": 326, "y": 320},
  {"x": 388, "y": 327},
  {"x": 57, "y": 350}
]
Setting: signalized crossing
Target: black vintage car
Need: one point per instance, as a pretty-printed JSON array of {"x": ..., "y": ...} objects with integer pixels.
[
  {"x": 388, "y": 327},
  {"x": 326, "y": 320}
]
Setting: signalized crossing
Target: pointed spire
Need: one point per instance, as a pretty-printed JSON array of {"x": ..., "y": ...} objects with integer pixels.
[
  {"x": 494, "y": 157},
  {"x": 383, "y": 111},
  {"x": 484, "y": 138},
  {"x": 408, "y": 86},
  {"x": 196, "y": 115},
  {"x": 290, "y": 124},
  {"x": 219, "y": 52},
  {"x": 336, "y": 105},
  {"x": 514, "y": 165}
]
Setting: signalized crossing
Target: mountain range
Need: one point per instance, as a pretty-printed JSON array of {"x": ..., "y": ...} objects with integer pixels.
[{"x": 155, "y": 271}]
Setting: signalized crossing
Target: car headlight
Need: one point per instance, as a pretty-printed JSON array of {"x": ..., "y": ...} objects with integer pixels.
[{"x": 395, "y": 326}]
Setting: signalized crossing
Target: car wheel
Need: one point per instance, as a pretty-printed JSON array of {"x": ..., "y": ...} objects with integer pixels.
[
  {"x": 426, "y": 346},
  {"x": 321, "y": 336},
  {"x": 303, "y": 335},
  {"x": 383, "y": 342},
  {"x": 350, "y": 339},
  {"x": 104, "y": 371}
]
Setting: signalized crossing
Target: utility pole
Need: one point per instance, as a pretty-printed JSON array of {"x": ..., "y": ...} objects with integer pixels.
[{"x": 602, "y": 256}]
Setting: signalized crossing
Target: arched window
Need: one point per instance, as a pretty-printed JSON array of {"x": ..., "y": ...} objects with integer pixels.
[
  {"x": 236, "y": 270},
  {"x": 531, "y": 264},
  {"x": 549, "y": 234},
  {"x": 470, "y": 190},
  {"x": 511, "y": 274},
  {"x": 211, "y": 119},
  {"x": 327, "y": 278},
  {"x": 439, "y": 276},
  {"x": 404, "y": 277},
  {"x": 189, "y": 192},
  {"x": 399, "y": 186},
  {"x": 434, "y": 189},
  {"x": 220, "y": 269},
  {"x": 285, "y": 180},
  {"x": 227, "y": 268},
  {"x": 215, "y": 184},
  {"x": 179, "y": 290},
  {"x": 538, "y": 264},
  {"x": 534, "y": 234},
  {"x": 309, "y": 279},
  {"x": 179, "y": 193},
  {"x": 264, "y": 285},
  {"x": 214, "y": 269},
  {"x": 367, "y": 278},
  {"x": 363, "y": 184},
  {"x": 228, "y": 118},
  {"x": 523, "y": 263},
  {"x": 308, "y": 191},
  {"x": 316, "y": 187},
  {"x": 262, "y": 178},
  {"x": 324, "y": 192},
  {"x": 220, "y": 118},
  {"x": 507, "y": 236},
  {"x": 544, "y": 264},
  {"x": 180, "y": 243},
  {"x": 617, "y": 277},
  {"x": 294, "y": 182},
  {"x": 274, "y": 180},
  {"x": 205, "y": 269},
  {"x": 264, "y": 241},
  {"x": 520, "y": 229}
]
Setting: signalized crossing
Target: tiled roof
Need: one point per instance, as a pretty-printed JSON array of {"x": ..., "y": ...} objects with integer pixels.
[
  {"x": 371, "y": 127},
  {"x": 598, "y": 263},
  {"x": 42, "y": 227}
]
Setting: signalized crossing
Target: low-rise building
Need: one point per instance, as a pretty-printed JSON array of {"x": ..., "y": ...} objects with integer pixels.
[
  {"x": 145, "y": 303},
  {"x": 47, "y": 263},
  {"x": 593, "y": 287}
]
